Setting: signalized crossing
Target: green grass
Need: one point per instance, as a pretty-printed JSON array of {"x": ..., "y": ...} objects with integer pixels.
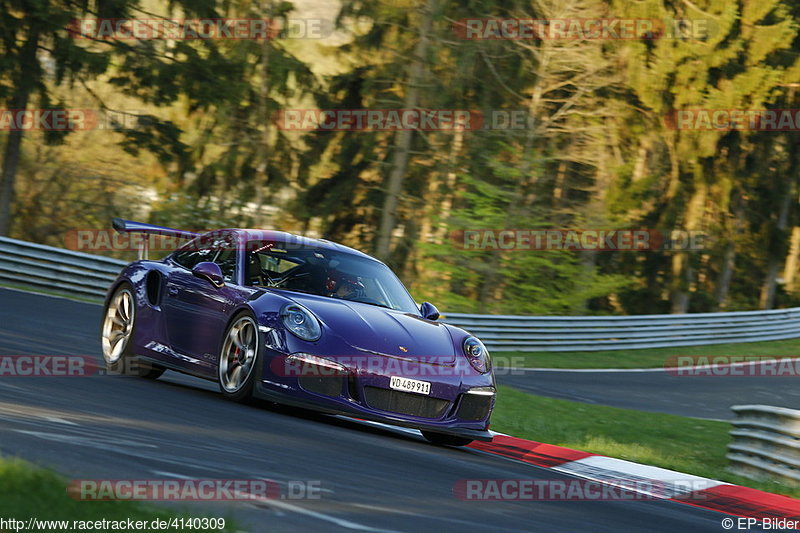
[
  {"x": 648, "y": 358},
  {"x": 688, "y": 445},
  {"x": 30, "y": 492}
]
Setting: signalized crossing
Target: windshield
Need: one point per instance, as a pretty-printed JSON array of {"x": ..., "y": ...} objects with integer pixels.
[{"x": 326, "y": 273}]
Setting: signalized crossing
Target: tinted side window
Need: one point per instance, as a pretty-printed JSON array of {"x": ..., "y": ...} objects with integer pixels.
[
  {"x": 218, "y": 248},
  {"x": 226, "y": 259},
  {"x": 190, "y": 257}
]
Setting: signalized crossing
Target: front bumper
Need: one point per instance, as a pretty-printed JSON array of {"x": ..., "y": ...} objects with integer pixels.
[{"x": 458, "y": 405}]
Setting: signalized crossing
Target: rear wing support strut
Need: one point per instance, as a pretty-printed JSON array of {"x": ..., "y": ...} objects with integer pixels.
[{"x": 129, "y": 226}]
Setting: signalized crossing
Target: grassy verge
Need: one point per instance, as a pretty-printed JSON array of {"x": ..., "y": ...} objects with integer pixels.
[
  {"x": 29, "y": 492},
  {"x": 649, "y": 358},
  {"x": 679, "y": 443}
]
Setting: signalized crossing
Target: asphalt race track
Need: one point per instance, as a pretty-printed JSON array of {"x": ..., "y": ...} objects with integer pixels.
[
  {"x": 118, "y": 427},
  {"x": 655, "y": 390}
]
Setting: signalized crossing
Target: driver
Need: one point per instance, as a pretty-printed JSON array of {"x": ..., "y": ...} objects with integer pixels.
[{"x": 345, "y": 286}]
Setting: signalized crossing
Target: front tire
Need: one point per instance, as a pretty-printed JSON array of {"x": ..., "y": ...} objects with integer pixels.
[
  {"x": 117, "y": 330},
  {"x": 238, "y": 357},
  {"x": 443, "y": 439}
]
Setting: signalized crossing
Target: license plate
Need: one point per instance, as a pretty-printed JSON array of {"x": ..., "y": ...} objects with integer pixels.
[{"x": 410, "y": 385}]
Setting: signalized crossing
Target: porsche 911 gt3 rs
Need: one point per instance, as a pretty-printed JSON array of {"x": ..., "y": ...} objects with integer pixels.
[{"x": 297, "y": 321}]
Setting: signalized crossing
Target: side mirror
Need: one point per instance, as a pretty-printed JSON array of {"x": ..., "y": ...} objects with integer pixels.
[
  {"x": 209, "y": 271},
  {"x": 429, "y": 311}
]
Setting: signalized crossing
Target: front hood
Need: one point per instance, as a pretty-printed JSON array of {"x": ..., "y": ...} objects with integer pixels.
[{"x": 368, "y": 328}]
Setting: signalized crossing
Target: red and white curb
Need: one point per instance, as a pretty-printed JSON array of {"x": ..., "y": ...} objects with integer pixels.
[
  {"x": 675, "y": 486},
  {"x": 666, "y": 484}
]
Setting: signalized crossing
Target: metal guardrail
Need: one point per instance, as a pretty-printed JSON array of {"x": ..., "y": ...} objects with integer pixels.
[
  {"x": 603, "y": 333},
  {"x": 766, "y": 443},
  {"x": 46, "y": 267},
  {"x": 87, "y": 275}
]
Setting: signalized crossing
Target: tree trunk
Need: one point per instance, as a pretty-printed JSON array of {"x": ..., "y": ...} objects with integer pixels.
[
  {"x": 792, "y": 260},
  {"x": 725, "y": 276},
  {"x": 448, "y": 192},
  {"x": 492, "y": 288},
  {"x": 19, "y": 100},
  {"x": 767, "y": 297},
  {"x": 440, "y": 195},
  {"x": 402, "y": 142},
  {"x": 262, "y": 141},
  {"x": 682, "y": 273}
]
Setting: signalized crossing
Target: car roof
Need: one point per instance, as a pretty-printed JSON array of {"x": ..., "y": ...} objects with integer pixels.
[{"x": 252, "y": 234}]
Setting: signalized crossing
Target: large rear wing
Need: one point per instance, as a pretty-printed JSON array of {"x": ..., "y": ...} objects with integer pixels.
[{"x": 129, "y": 226}]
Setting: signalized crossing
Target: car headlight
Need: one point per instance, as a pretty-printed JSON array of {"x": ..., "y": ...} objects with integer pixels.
[
  {"x": 477, "y": 355},
  {"x": 301, "y": 322}
]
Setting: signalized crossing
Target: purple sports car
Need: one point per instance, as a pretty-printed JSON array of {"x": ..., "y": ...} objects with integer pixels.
[{"x": 297, "y": 321}]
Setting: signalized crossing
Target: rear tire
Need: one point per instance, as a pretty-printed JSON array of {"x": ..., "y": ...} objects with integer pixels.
[
  {"x": 443, "y": 439},
  {"x": 116, "y": 335}
]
